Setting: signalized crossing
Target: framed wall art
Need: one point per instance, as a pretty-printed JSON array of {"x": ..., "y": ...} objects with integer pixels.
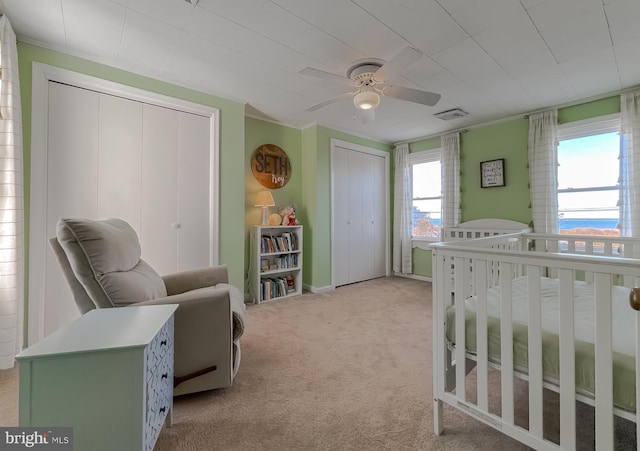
[{"x": 492, "y": 173}]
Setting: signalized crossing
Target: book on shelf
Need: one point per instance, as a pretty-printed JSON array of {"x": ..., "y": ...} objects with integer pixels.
[
  {"x": 284, "y": 242},
  {"x": 291, "y": 284},
  {"x": 274, "y": 287}
]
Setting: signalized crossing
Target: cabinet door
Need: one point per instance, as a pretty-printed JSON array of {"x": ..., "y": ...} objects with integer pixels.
[
  {"x": 359, "y": 222},
  {"x": 71, "y": 185},
  {"x": 159, "y": 200},
  {"x": 378, "y": 216},
  {"x": 341, "y": 214},
  {"x": 361, "y": 239},
  {"x": 119, "y": 156},
  {"x": 113, "y": 157},
  {"x": 175, "y": 206},
  {"x": 194, "y": 245},
  {"x": 367, "y": 234}
]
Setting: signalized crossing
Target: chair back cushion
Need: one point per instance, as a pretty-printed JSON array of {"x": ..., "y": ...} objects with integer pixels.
[
  {"x": 105, "y": 258},
  {"x": 83, "y": 301}
]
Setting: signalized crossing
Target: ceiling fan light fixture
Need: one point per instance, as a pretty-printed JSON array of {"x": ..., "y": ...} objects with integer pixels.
[{"x": 366, "y": 100}]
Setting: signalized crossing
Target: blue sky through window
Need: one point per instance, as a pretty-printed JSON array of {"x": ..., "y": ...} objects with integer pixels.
[{"x": 587, "y": 162}]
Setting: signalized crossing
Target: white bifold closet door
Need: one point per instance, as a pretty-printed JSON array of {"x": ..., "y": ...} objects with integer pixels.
[
  {"x": 359, "y": 222},
  {"x": 108, "y": 156}
]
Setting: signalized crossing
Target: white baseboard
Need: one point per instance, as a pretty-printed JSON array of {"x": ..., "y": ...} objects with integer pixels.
[{"x": 314, "y": 290}]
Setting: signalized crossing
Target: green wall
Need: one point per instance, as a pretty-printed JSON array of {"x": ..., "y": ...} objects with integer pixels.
[
  {"x": 508, "y": 140},
  {"x": 309, "y": 209},
  {"x": 310, "y": 153},
  {"x": 309, "y": 188},
  {"x": 588, "y": 110},
  {"x": 257, "y": 133},
  {"x": 232, "y": 135}
]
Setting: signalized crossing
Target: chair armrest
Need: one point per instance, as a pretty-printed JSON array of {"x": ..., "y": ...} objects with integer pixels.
[
  {"x": 203, "y": 329},
  {"x": 211, "y": 294},
  {"x": 181, "y": 282}
]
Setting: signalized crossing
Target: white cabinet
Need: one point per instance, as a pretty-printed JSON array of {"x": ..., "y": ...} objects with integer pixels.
[
  {"x": 108, "y": 156},
  {"x": 175, "y": 190},
  {"x": 276, "y": 262},
  {"x": 108, "y": 375},
  {"x": 359, "y": 216}
]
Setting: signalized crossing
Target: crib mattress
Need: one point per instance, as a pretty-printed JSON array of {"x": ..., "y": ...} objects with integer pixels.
[{"x": 624, "y": 389}]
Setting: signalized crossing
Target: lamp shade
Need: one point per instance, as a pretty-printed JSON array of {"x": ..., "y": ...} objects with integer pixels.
[
  {"x": 264, "y": 199},
  {"x": 366, "y": 100}
]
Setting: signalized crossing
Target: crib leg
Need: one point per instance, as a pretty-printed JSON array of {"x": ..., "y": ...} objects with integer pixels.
[{"x": 438, "y": 416}]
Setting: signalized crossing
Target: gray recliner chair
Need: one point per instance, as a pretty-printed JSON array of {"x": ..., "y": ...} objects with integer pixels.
[{"x": 100, "y": 260}]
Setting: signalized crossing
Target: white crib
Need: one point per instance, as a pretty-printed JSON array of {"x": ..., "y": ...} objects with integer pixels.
[
  {"x": 546, "y": 339},
  {"x": 479, "y": 228}
]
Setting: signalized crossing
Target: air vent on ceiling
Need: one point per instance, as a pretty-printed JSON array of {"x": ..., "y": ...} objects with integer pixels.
[{"x": 448, "y": 115}]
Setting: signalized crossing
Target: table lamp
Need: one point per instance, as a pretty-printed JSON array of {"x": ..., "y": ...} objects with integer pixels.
[{"x": 264, "y": 199}]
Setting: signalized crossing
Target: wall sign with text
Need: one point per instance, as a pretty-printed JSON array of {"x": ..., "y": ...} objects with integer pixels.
[
  {"x": 271, "y": 166},
  {"x": 492, "y": 173}
]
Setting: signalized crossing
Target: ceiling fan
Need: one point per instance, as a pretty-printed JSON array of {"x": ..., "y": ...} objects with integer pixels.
[{"x": 370, "y": 78}]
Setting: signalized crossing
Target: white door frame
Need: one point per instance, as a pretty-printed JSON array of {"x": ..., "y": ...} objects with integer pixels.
[
  {"x": 379, "y": 153},
  {"x": 38, "y": 239}
]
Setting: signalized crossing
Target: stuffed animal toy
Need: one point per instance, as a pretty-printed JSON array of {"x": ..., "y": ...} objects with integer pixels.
[{"x": 288, "y": 213}]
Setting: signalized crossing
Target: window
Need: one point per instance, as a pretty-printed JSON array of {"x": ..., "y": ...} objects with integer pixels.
[
  {"x": 588, "y": 173},
  {"x": 426, "y": 183}
]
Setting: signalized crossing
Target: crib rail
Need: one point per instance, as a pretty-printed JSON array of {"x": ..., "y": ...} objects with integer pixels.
[
  {"x": 612, "y": 246},
  {"x": 495, "y": 261},
  {"x": 480, "y": 228}
]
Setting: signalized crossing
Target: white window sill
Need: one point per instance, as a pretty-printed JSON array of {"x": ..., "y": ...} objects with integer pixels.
[{"x": 423, "y": 243}]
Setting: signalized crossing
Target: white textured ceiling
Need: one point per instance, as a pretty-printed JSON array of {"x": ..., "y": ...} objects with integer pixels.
[{"x": 491, "y": 58}]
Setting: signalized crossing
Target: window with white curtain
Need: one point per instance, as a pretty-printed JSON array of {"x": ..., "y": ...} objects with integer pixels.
[
  {"x": 588, "y": 176},
  {"x": 11, "y": 201},
  {"x": 426, "y": 183}
]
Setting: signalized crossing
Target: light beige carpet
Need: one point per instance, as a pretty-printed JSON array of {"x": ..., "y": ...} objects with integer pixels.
[
  {"x": 9, "y": 397},
  {"x": 344, "y": 370}
]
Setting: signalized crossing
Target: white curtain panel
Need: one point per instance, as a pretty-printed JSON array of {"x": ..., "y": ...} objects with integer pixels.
[
  {"x": 11, "y": 202},
  {"x": 402, "y": 203},
  {"x": 543, "y": 170},
  {"x": 450, "y": 166},
  {"x": 629, "y": 164}
]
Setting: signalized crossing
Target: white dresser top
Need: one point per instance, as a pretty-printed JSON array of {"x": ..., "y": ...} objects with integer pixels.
[{"x": 101, "y": 329}]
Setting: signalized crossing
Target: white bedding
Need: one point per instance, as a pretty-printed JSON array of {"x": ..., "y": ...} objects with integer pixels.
[
  {"x": 622, "y": 320},
  {"x": 623, "y": 335}
]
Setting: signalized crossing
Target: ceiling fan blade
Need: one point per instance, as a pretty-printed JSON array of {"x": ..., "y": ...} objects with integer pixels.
[
  {"x": 397, "y": 63},
  {"x": 330, "y": 101},
  {"x": 411, "y": 95},
  {"x": 327, "y": 76}
]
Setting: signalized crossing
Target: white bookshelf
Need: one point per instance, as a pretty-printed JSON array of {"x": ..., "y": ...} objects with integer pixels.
[{"x": 276, "y": 262}]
